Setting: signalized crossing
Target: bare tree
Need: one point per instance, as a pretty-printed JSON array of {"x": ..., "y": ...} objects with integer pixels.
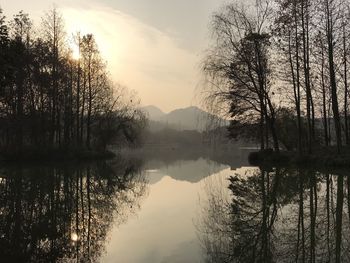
[{"x": 238, "y": 66}]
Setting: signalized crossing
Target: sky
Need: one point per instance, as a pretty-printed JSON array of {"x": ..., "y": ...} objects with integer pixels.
[{"x": 153, "y": 47}]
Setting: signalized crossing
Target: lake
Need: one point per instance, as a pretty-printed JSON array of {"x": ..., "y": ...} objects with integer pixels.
[{"x": 173, "y": 207}]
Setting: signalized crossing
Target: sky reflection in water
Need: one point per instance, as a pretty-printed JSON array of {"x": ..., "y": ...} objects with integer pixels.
[{"x": 172, "y": 210}]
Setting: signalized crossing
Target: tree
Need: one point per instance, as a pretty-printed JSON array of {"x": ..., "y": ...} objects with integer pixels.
[
  {"x": 50, "y": 101},
  {"x": 330, "y": 18},
  {"x": 19, "y": 48},
  {"x": 239, "y": 69},
  {"x": 4, "y": 39},
  {"x": 53, "y": 30}
]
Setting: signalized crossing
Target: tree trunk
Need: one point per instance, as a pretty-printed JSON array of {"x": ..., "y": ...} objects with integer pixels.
[{"x": 335, "y": 106}]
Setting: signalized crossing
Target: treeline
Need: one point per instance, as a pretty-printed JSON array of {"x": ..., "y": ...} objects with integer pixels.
[
  {"x": 54, "y": 98},
  {"x": 283, "y": 62},
  {"x": 172, "y": 137},
  {"x": 210, "y": 139}
]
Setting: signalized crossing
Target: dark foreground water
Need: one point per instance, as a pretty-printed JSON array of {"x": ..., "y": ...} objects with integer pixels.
[{"x": 173, "y": 209}]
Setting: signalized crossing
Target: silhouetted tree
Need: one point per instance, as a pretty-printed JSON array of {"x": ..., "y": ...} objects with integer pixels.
[
  {"x": 50, "y": 100},
  {"x": 239, "y": 69}
]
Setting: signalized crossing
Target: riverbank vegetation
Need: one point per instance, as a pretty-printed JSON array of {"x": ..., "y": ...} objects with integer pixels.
[
  {"x": 279, "y": 70},
  {"x": 56, "y": 95}
]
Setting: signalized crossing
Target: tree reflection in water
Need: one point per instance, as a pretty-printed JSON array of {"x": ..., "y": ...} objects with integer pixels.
[
  {"x": 277, "y": 215},
  {"x": 63, "y": 213}
]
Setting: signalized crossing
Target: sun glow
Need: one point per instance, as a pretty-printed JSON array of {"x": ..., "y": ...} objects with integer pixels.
[
  {"x": 75, "y": 52},
  {"x": 137, "y": 54}
]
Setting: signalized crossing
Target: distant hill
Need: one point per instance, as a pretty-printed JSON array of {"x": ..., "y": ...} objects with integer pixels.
[
  {"x": 154, "y": 113},
  {"x": 190, "y": 118}
]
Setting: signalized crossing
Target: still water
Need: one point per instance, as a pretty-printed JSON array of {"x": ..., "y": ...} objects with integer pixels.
[{"x": 173, "y": 208}]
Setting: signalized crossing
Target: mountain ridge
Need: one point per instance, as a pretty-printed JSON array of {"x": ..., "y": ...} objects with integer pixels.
[
  {"x": 153, "y": 111},
  {"x": 188, "y": 118}
]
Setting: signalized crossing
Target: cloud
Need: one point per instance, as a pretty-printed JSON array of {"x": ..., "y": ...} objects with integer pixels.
[
  {"x": 154, "y": 50},
  {"x": 139, "y": 56}
]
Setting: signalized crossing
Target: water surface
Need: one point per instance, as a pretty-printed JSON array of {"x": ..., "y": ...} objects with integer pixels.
[{"x": 173, "y": 208}]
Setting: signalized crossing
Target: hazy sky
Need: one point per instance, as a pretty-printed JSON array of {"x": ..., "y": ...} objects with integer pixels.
[{"x": 152, "y": 46}]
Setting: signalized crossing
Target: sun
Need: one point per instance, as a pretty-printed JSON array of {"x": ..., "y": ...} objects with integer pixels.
[{"x": 75, "y": 52}]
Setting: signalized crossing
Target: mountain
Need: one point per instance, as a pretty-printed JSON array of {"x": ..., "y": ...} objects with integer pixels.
[
  {"x": 190, "y": 118},
  {"x": 153, "y": 112}
]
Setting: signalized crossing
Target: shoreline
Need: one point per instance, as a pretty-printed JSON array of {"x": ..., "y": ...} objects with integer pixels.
[
  {"x": 324, "y": 159},
  {"x": 55, "y": 155}
]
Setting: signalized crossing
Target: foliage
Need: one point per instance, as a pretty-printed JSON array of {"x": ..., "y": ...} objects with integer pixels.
[
  {"x": 52, "y": 100},
  {"x": 269, "y": 56}
]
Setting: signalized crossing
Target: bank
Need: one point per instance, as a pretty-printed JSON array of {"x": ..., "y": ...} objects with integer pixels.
[
  {"x": 325, "y": 157},
  {"x": 76, "y": 154}
]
